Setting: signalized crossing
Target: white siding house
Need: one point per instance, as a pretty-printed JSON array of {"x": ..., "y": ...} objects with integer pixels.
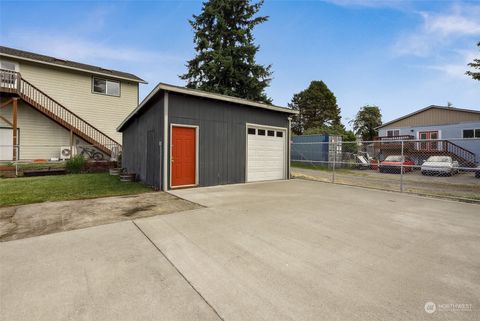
[{"x": 88, "y": 94}]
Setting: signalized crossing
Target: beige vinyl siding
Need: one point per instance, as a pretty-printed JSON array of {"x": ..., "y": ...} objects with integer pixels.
[
  {"x": 435, "y": 116},
  {"x": 36, "y": 131},
  {"x": 73, "y": 89}
]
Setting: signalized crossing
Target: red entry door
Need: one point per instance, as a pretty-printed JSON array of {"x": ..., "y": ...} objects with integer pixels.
[
  {"x": 183, "y": 156},
  {"x": 430, "y": 145}
]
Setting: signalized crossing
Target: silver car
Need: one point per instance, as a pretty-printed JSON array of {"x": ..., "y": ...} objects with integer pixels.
[{"x": 440, "y": 165}]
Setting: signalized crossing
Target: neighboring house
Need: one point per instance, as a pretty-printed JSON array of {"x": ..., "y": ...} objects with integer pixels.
[
  {"x": 445, "y": 130},
  {"x": 60, "y": 103},
  {"x": 179, "y": 137}
]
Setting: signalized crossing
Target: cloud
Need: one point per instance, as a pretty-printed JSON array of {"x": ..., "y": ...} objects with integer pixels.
[
  {"x": 72, "y": 47},
  {"x": 458, "y": 69},
  {"x": 370, "y": 3},
  {"x": 439, "y": 30}
]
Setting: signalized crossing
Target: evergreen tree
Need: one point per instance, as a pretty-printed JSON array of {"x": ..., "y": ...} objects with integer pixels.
[
  {"x": 475, "y": 65},
  {"x": 225, "y": 51},
  {"x": 368, "y": 118},
  {"x": 317, "y": 107}
]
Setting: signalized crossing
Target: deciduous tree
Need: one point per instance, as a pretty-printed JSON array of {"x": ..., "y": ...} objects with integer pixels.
[
  {"x": 317, "y": 107},
  {"x": 367, "y": 119}
]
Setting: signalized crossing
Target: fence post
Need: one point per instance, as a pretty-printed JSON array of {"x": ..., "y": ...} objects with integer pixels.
[
  {"x": 334, "y": 160},
  {"x": 401, "y": 171}
]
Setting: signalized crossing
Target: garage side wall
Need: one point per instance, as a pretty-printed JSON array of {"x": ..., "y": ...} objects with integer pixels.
[
  {"x": 222, "y": 134},
  {"x": 141, "y": 137}
]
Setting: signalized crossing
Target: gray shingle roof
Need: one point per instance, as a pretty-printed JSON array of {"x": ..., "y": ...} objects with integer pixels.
[{"x": 26, "y": 55}]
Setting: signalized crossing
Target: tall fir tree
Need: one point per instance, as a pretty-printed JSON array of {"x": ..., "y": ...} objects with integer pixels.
[
  {"x": 475, "y": 65},
  {"x": 225, "y": 51},
  {"x": 317, "y": 107}
]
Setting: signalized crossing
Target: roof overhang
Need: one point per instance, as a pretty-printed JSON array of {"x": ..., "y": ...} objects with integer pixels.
[
  {"x": 74, "y": 68},
  {"x": 202, "y": 94}
]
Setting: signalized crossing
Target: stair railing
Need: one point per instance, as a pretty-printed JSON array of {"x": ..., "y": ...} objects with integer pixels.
[{"x": 13, "y": 81}]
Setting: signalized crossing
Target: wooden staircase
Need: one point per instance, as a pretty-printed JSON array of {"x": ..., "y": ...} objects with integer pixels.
[
  {"x": 424, "y": 148},
  {"x": 12, "y": 82}
]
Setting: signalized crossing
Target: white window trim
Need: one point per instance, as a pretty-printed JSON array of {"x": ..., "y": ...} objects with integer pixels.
[
  {"x": 393, "y": 129},
  {"x": 197, "y": 145},
  {"x": 15, "y": 63},
  {"x": 285, "y": 137},
  {"x": 474, "y": 129},
  {"x": 106, "y": 80},
  {"x": 439, "y": 131}
]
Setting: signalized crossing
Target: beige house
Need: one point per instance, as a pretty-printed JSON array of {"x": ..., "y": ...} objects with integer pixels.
[
  {"x": 50, "y": 103},
  {"x": 446, "y": 130}
]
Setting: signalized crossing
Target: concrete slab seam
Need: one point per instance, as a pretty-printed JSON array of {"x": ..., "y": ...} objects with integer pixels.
[{"x": 179, "y": 272}]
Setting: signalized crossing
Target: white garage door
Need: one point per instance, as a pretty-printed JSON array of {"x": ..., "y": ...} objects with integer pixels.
[{"x": 266, "y": 153}]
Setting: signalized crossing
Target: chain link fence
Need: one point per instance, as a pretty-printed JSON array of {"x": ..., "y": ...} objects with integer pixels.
[
  {"x": 445, "y": 168},
  {"x": 35, "y": 160}
]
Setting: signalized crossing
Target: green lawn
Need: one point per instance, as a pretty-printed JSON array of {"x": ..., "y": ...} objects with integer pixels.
[
  {"x": 324, "y": 167},
  {"x": 26, "y": 190}
]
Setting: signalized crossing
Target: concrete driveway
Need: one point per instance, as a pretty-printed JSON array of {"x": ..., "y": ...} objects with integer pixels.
[{"x": 296, "y": 250}]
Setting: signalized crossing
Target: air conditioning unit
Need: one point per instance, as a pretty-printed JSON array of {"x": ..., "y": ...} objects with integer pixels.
[{"x": 66, "y": 152}]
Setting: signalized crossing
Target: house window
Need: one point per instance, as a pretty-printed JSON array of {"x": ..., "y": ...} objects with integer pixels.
[
  {"x": 6, "y": 78},
  {"x": 393, "y": 132},
  {"x": 8, "y": 65},
  {"x": 471, "y": 133},
  {"x": 106, "y": 87}
]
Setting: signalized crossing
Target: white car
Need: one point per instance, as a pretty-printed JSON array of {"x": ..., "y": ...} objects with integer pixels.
[{"x": 440, "y": 165}]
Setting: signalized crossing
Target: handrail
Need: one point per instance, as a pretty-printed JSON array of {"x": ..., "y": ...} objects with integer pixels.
[
  {"x": 460, "y": 151},
  {"x": 390, "y": 138},
  {"x": 29, "y": 92}
]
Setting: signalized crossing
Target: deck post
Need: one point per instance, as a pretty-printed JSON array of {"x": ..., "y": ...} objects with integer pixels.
[
  {"x": 71, "y": 142},
  {"x": 14, "y": 127}
]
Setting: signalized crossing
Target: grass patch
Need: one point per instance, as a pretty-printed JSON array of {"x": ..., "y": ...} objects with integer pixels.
[
  {"x": 26, "y": 166},
  {"x": 27, "y": 190},
  {"x": 305, "y": 165},
  {"x": 325, "y": 168}
]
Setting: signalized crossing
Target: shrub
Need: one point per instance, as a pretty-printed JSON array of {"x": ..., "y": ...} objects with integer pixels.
[{"x": 75, "y": 164}]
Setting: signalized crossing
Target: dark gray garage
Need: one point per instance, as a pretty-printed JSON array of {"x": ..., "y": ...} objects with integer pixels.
[{"x": 179, "y": 137}]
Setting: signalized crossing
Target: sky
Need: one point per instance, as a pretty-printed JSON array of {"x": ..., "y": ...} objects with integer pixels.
[{"x": 398, "y": 55}]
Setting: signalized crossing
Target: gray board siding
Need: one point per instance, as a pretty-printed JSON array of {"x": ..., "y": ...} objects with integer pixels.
[
  {"x": 141, "y": 150},
  {"x": 222, "y": 137},
  {"x": 222, "y": 134}
]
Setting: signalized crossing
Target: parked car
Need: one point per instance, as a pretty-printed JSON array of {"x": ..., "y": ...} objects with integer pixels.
[
  {"x": 393, "y": 164},
  {"x": 440, "y": 165}
]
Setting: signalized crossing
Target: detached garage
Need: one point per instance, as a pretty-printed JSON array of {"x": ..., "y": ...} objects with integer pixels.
[{"x": 179, "y": 137}]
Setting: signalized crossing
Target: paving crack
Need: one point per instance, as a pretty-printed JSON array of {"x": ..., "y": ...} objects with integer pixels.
[{"x": 179, "y": 272}]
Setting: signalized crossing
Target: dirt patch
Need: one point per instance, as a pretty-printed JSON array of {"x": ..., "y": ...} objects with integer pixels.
[
  {"x": 18, "y": 222},
  {"x": 463, "y": 186}
]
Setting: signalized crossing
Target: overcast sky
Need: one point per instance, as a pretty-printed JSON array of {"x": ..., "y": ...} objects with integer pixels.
[{"x": 399, "y": 55}]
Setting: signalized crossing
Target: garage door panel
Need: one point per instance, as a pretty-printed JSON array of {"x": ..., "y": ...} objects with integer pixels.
[{"x": 266, "y": 156}]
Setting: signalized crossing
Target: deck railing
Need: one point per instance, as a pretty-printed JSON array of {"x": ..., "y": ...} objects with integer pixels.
[
  {"x": 431, "y": 146},
  {"x": 11, "y": 81}
]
